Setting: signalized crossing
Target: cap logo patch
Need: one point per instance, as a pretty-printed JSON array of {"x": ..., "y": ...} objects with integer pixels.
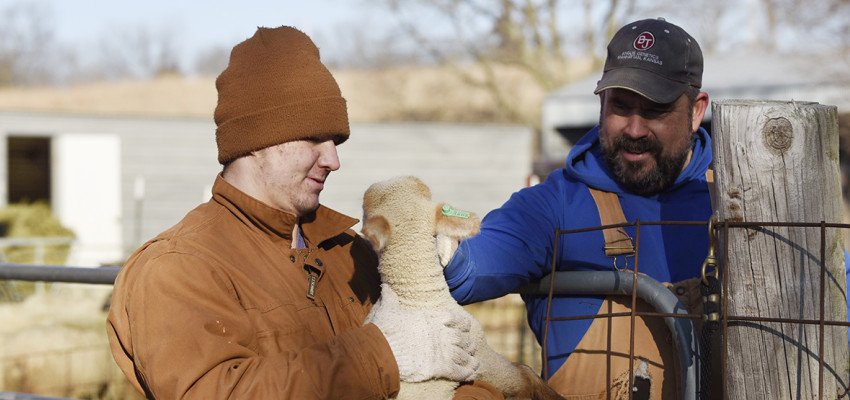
[{"x": 644, "y": 41}]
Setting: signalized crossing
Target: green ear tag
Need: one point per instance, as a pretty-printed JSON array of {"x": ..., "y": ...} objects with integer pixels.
[{"x": 449, "y": 212}]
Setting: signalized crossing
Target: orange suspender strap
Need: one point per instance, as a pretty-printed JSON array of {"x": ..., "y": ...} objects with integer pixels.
[
  {"x": 709, "y": 179},
  {"x": 617, "y": 241}
]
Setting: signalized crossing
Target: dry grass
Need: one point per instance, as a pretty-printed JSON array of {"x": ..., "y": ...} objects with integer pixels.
[
  {"x": 434, "y": 94},
  {"x": 166, "y": 96},
  {"x": 397, "y": 94},
  {"x": 55, "y": 344}
]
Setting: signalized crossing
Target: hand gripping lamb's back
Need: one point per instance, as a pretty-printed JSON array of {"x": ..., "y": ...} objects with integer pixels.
[{"x": 403, "y": 225}]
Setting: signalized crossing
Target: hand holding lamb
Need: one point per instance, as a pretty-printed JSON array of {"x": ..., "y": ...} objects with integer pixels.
[{"x": 427, "y": 344}]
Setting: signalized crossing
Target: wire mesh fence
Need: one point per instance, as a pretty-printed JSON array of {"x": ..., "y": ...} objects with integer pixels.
[
  {"x": 503, "y": 319},
  {"x": 714, "y": 351},
  {"x": 89, "y": 372}
]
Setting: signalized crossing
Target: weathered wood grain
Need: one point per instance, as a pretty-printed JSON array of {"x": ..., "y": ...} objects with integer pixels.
[{"x": 778, "y": 162}]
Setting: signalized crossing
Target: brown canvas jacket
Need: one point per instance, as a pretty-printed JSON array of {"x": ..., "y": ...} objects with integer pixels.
[{"x": 218, "y": 307}]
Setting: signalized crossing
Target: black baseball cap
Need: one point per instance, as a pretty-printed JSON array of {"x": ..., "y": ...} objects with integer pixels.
[{"x": 653, "y": 58}]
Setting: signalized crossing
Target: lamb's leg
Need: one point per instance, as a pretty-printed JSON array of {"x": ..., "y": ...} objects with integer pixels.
[
  {"x": 514, "y": 380},
  {"x": 535, "y": 387}
]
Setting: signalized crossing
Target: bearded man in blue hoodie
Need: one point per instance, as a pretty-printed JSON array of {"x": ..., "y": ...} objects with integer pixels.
[{"x": 648, "y": 152}]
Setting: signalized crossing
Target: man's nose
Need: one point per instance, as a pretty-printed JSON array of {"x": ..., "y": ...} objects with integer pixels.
[
  {"x": 636, "y": 126},
  {"x": 328, "y": 157}
]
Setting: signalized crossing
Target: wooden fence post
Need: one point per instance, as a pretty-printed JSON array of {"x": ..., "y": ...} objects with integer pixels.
[{"x": 778, "y": 162}]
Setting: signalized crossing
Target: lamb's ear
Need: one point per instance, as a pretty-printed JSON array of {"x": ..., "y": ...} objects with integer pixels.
[
  {"x": 377, "y": 230},
  {"x": 455, "y": 223}
]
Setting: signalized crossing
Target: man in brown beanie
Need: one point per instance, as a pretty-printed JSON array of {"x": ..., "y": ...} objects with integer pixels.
[{"x": 262, "y": 292}]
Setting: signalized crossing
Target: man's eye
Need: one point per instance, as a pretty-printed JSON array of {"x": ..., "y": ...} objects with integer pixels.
[
  {"x": 616, "y": 104},
  {"x": 659, "y": 112}
]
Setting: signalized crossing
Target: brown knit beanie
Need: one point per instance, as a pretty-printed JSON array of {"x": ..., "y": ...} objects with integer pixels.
[{"x": 276, "y": 90}]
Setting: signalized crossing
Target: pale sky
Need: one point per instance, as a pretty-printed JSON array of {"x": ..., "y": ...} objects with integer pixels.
[
  {"x": 199, "y": 25},
  {"x": 196, "y": 24},
  {"x": 200, "y": 21}
]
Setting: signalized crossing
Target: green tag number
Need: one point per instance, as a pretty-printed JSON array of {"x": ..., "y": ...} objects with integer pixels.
[{"x": 449, "y": 212}]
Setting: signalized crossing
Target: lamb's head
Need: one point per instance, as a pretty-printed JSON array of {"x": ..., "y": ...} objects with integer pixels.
[{"x": 402, "y": 206}]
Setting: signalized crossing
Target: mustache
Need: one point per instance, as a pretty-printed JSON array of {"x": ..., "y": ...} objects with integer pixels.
[{"x": 640, "y": 145}]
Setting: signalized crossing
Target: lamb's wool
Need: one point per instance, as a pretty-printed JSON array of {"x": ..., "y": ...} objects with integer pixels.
[{"x": 403, "y": 225}]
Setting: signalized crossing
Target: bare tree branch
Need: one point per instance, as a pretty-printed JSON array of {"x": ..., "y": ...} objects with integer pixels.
[
  {"x": 141, "y": 53},
  {"x": 27, "y": 45},
  {"x": 522, "y": 35}
]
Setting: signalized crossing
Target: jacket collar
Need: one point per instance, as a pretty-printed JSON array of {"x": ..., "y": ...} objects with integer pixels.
[{"x": 316, "y": 227}]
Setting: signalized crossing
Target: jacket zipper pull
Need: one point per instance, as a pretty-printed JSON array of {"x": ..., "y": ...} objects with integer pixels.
[{"x": 312, "y": 280}]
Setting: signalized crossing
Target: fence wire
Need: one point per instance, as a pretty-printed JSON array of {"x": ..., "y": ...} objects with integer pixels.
[
  {"x": 724, "y": 318},
  {"x": 510, "y": 334}
]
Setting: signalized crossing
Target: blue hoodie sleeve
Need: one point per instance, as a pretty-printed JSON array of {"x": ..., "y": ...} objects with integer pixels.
[
  {"x": 847, "y": 279},
  {"x": 514, "y": 247}
]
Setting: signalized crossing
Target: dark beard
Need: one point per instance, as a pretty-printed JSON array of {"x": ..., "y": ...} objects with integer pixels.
[{"x": 630, "y": 176}]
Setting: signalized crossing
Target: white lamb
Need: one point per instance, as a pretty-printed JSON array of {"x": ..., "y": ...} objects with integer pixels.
[{"x": 403, "y": 225}]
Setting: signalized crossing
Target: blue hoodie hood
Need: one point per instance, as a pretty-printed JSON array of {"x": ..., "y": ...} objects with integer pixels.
[{"x": 586, "y": 164}]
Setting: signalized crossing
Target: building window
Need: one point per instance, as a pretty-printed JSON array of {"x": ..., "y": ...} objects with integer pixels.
[{"x": 28, "y": 169}]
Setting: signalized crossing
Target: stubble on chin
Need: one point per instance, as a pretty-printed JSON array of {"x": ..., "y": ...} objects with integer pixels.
[{"x": 307, "y": 203}]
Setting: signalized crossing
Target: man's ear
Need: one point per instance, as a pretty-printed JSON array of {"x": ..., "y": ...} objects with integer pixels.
[
  {"x": 377, "y": 230},
  {"x": 700, "y": 106},
  {"x": 455, "y": 224}
]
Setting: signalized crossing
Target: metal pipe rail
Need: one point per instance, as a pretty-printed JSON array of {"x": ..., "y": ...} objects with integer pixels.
[
  {"x": 58, "y": 273},
  {"x": 26, "y": 396},
  {"x": 650, "y": 290},
  {"x": 566, "y": 282}
]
